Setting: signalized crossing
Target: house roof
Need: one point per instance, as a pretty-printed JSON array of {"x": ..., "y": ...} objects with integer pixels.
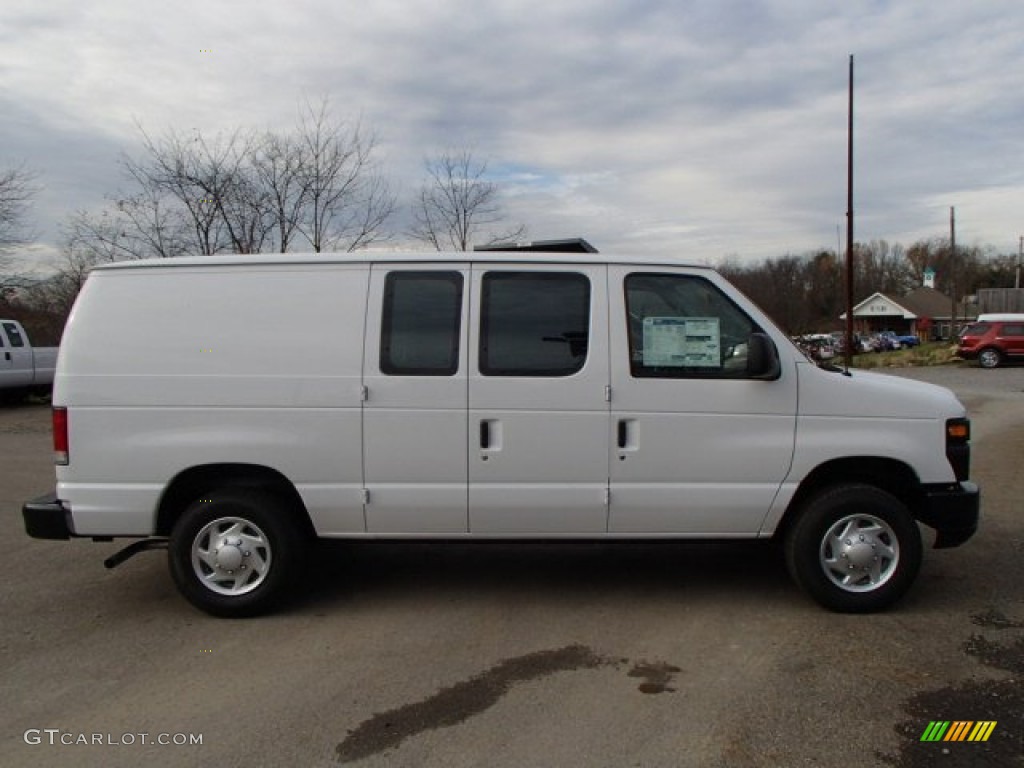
[
  {"x": 927, "y": 302},
  {"x": 919, "y": 303},
  {"x": 880, "y": 305}
]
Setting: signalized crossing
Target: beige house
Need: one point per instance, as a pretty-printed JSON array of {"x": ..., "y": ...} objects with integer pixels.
[{"x": 924, "y": 312}]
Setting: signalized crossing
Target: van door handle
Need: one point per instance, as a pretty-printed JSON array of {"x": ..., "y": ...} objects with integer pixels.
[
  {"x": 7, "y": 355},
  {"x": 485, "y": 434},
  {"x": 628, "y": 434}
]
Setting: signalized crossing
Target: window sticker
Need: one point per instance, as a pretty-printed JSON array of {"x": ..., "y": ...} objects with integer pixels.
[{"x": 682, "y": 342}]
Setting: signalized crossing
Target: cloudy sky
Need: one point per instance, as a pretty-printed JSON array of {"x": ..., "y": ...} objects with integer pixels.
[{"x": 701, "y": 129}]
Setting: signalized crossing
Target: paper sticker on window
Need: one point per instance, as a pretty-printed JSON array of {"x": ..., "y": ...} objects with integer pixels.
[{"x": 682, "y": 342}]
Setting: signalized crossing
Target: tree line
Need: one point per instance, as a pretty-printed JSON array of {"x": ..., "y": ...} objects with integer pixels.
[
  {"x": 320, "y": 187},
  {"x": 807, "y": 293}
]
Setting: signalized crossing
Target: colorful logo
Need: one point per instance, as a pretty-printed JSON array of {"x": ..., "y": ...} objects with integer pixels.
[{"x": 958, "y": 730}]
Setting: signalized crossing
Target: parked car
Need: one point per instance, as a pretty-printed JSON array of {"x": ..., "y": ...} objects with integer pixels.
[
  {"x": 908, "y": 340},
  {"x": 233, "y": 409},
  {"x": 993, "y": 340},
  {"x": 817, "y": 346},
  {"x": 23, "y": 368},
  {"x": 885, "y": 341},
  {"x": 861, "y": 343}
]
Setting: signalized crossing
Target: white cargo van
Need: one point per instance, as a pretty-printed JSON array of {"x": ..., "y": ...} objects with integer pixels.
[{"x": 233, "y": 408}]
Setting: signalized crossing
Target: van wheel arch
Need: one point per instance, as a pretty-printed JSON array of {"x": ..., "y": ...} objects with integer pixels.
[
  {"x": 889, "y": 475},
  {"x": 196, "y": 482}
]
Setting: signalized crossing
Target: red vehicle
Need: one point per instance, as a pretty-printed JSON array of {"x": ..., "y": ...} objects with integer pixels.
[{"x": 993, "y": 340}]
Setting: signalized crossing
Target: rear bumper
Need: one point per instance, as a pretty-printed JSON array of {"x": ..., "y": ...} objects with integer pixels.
[
  {"x": 953, "y": 511},
  {"x": 46, "y": 518}
]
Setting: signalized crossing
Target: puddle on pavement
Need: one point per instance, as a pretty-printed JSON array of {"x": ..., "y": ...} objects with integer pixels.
[
  {"x": 1000, "y": 701},
  {"x": 456, "y": 703},
  {"x": 657, "y": 676}
]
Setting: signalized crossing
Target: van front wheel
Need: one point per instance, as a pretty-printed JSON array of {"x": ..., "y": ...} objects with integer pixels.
[
  {"x": 854, "y": 549},
  {"x": 235, "y": 552}
]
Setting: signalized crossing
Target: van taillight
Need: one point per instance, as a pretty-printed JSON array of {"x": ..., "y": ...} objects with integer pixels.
[{"x": 60, "y": 436}]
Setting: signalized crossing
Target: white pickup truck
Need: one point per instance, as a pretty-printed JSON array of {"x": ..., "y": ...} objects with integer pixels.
[{"x": 22, "y": 366}]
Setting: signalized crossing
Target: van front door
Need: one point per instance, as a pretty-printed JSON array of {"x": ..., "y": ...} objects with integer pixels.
[
  {"x": 414, "y": 414},
  {"x": 538, "y": 413},
  {"x": 701, "y": 446}
]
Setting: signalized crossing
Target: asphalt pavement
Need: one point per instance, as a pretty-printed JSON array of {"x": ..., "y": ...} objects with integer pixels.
[{"x": 554, "y": 654}]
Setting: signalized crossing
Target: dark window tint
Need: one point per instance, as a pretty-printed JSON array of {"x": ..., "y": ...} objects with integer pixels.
[
  {"x": 1013, "y": 330},
  {"x": 534, "y": 323},
  {"x": 422, "y": 316},
  {"x": 975, "y": 329},
  {"x": 684, "y": 327},
  {"x": 14, "y": 335}
]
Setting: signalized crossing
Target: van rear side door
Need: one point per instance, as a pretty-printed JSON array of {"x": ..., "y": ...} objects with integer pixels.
[
  {"x": 700, "y": 447},
  {"x": 538, "y": 414},
  {"x": 414, "y": 415}
]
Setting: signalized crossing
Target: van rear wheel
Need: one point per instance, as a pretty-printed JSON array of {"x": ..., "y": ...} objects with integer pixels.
[
  {"x": 235, "y": 552},
  {"x": 854, "y": 549}
]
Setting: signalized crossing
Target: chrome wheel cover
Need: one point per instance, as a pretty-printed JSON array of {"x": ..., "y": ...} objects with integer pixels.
[
  {"x": 859, "y": 553},
  {"x": 231, "y": 556}
]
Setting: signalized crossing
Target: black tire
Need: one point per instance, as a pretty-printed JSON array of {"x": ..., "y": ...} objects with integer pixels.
[
  {"x": 990, "y": 357},
  {"x": 854, "y": 549},
  {"x": 236, "y": 552}
]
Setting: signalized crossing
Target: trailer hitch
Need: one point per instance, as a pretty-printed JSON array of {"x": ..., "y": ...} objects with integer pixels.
[{"x": 133, "y": 549}]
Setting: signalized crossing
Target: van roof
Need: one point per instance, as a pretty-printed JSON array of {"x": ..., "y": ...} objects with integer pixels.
[{"x": 398, "y": 257}]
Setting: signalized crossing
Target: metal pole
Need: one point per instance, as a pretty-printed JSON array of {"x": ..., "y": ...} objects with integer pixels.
[
  {"x": 952, "y": 271},
  {"x": 1020, "y": 258},
  {"x": 849, "y": 226}
]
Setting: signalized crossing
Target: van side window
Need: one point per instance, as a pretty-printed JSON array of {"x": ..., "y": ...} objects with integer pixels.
[
  {"x": 14, "y": 335},
  {"x": 682, "y": 326},
  {"x": 1013, "y": 330},
  {"x": 534, "y": 323},
  {"x": 421, "y": 324}
]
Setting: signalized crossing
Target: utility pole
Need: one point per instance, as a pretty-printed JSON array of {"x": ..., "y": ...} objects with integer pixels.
[
  {"x": 849, "y": 227},
  {"x": 1020, "y": 258},
  {"x": 952, "y": 271}
]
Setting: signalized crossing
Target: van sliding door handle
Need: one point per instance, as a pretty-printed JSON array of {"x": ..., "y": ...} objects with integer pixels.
[
  {"x": 485, "y": 434},
  {"x": 628, "y": 433}
]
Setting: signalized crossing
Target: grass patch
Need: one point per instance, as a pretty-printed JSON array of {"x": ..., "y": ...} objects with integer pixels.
[{"x": 932, "y": 353}]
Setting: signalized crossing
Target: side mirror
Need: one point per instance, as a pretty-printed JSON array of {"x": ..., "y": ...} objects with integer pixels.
[{"x": 762, "y": 358}]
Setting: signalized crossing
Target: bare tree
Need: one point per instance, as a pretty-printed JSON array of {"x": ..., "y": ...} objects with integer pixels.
[
  {"x": 278, "y": 168},
  {"x": 248, "y": 192},
  {"x": 212, "y": 182},
  {"x": 347, "y": 199},
  {"x": 17, "y": 188},
  {"x": 457, "y": 203}
]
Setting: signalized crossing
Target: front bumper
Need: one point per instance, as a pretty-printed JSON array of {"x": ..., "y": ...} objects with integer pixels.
[
  {"x": 46, "y": 518},
  {"x": 953, "y": 511}
]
